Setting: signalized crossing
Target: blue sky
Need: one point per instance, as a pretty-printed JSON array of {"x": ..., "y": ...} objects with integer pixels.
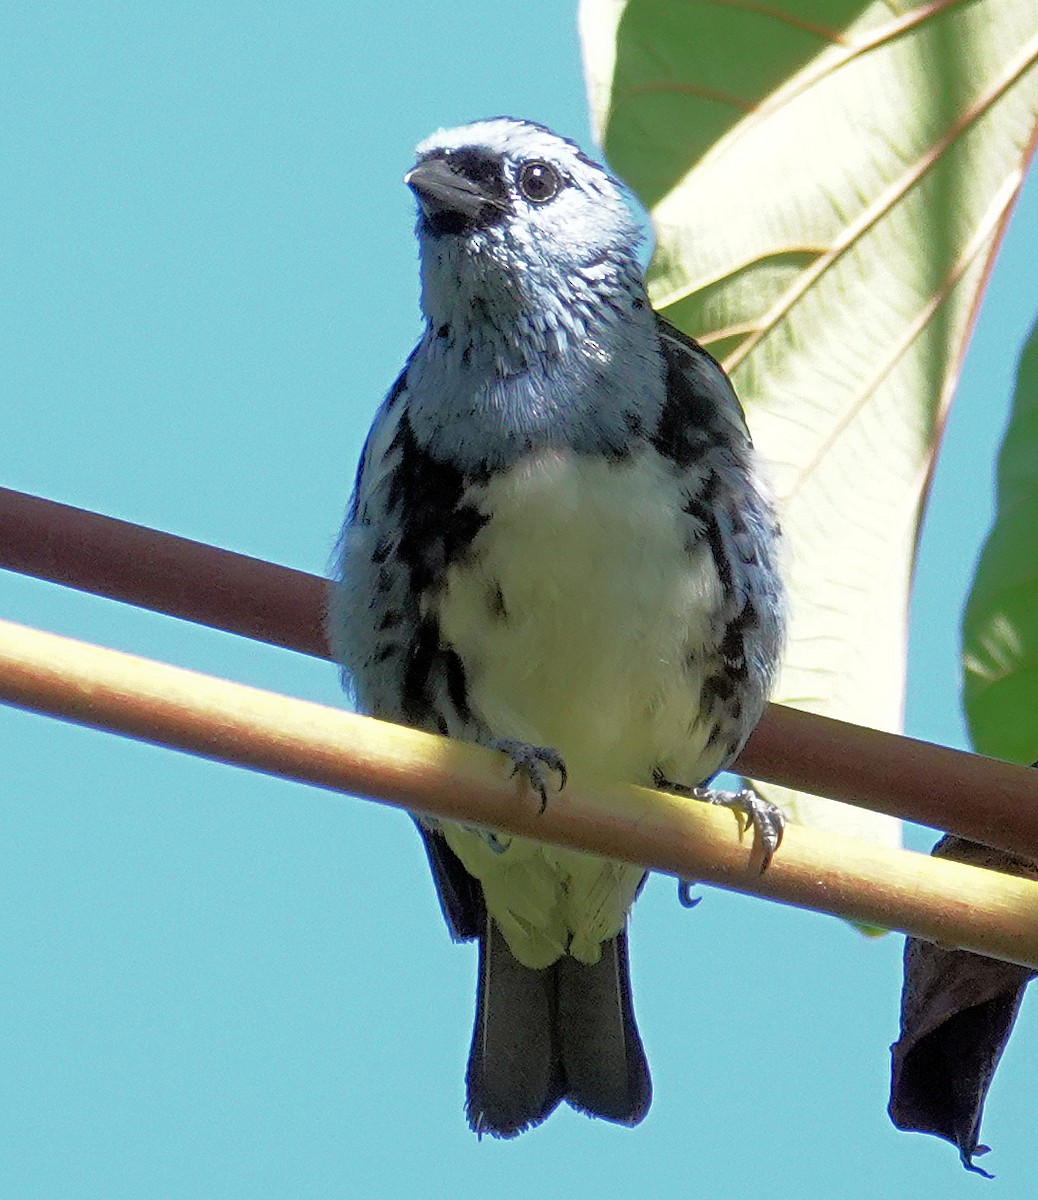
[{"x": 225, "y": 985}]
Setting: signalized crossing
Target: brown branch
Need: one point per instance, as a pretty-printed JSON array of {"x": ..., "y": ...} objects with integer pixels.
[
  {"x": 936, "y": 899},
  {"x": 980, "y": 799},
  {"x": 160, "y": 571},
  {"x": 977, "y": 798}
]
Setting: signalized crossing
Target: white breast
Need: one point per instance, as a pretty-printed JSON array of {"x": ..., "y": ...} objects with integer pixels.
[
  {"x": 577, "y": 610},
  {"x": 574, "y": 616}
]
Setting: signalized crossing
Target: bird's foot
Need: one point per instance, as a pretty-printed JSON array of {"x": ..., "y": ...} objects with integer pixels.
[
  {"x": 533, "y": 763},
  {"x": 767, "y": 819}
]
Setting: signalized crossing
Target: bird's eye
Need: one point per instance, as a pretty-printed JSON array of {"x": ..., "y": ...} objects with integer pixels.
[{"x": 538, "y": 181}]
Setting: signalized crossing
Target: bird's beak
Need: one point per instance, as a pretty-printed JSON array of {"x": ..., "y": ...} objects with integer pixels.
[{"x": 441, "y": 189}]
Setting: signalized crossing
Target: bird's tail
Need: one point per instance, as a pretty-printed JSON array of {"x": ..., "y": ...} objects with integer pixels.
[{"x": 565, "y": 1032}]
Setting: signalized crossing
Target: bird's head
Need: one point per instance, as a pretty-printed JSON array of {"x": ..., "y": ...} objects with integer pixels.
[{"x": 515, "y": 222}]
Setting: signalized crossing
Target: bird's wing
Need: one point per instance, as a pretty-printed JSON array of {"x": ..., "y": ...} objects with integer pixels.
[{"x": 461, "y": 897}]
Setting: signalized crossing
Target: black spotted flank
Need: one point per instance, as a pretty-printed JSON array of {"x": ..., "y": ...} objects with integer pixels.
[
  {"x": 718, "y": 687},
  {"x": 702, "y": 507},
  {"x": 395, "y": 392},
  {"x": 457, "y": 690},
  {"x": 438, "y": 529},
  {"x": 733, "y": 644},
  {"x": 422, "y": 656},
  {"x": 438, "y": 526},
  {"x": 721, "y": 693},
  {"x": 496, "y": 602},
  {"x": 635, "y": 424},
  {"x": 724, "y": 567},
  {"x": 428, "y": 661}
]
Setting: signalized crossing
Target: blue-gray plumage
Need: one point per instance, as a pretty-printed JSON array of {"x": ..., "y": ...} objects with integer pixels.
[{"x": 558, "y": 545}]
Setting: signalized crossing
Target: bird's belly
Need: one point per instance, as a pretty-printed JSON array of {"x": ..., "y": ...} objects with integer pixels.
[{"x": 581, "y": 615}]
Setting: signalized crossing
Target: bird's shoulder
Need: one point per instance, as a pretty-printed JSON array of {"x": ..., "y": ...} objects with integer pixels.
[
  {"x": 703, "y": 429},
  {"x": 377, "y": 453},
  {"x": 701, "y": 411}
]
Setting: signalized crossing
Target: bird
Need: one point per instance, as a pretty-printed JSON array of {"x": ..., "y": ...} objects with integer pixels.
[{"x": 559, "y": 545}]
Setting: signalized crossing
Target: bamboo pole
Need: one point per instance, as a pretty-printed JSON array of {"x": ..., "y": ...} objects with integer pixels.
[
  {"x": 943, "y": 901},
  {"x": 976, "y": 798}
]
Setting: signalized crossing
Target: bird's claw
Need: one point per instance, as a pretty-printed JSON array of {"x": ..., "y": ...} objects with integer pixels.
[
  {"x": 685, "y": 897},
  {"x": 533, "y": 762},
  {"x": 767, "y": 819}
]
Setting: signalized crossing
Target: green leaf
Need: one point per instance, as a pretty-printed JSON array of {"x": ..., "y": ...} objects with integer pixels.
[
  {"x": 1000, "y": 625},
  {"x": 828, "y": 180}
]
